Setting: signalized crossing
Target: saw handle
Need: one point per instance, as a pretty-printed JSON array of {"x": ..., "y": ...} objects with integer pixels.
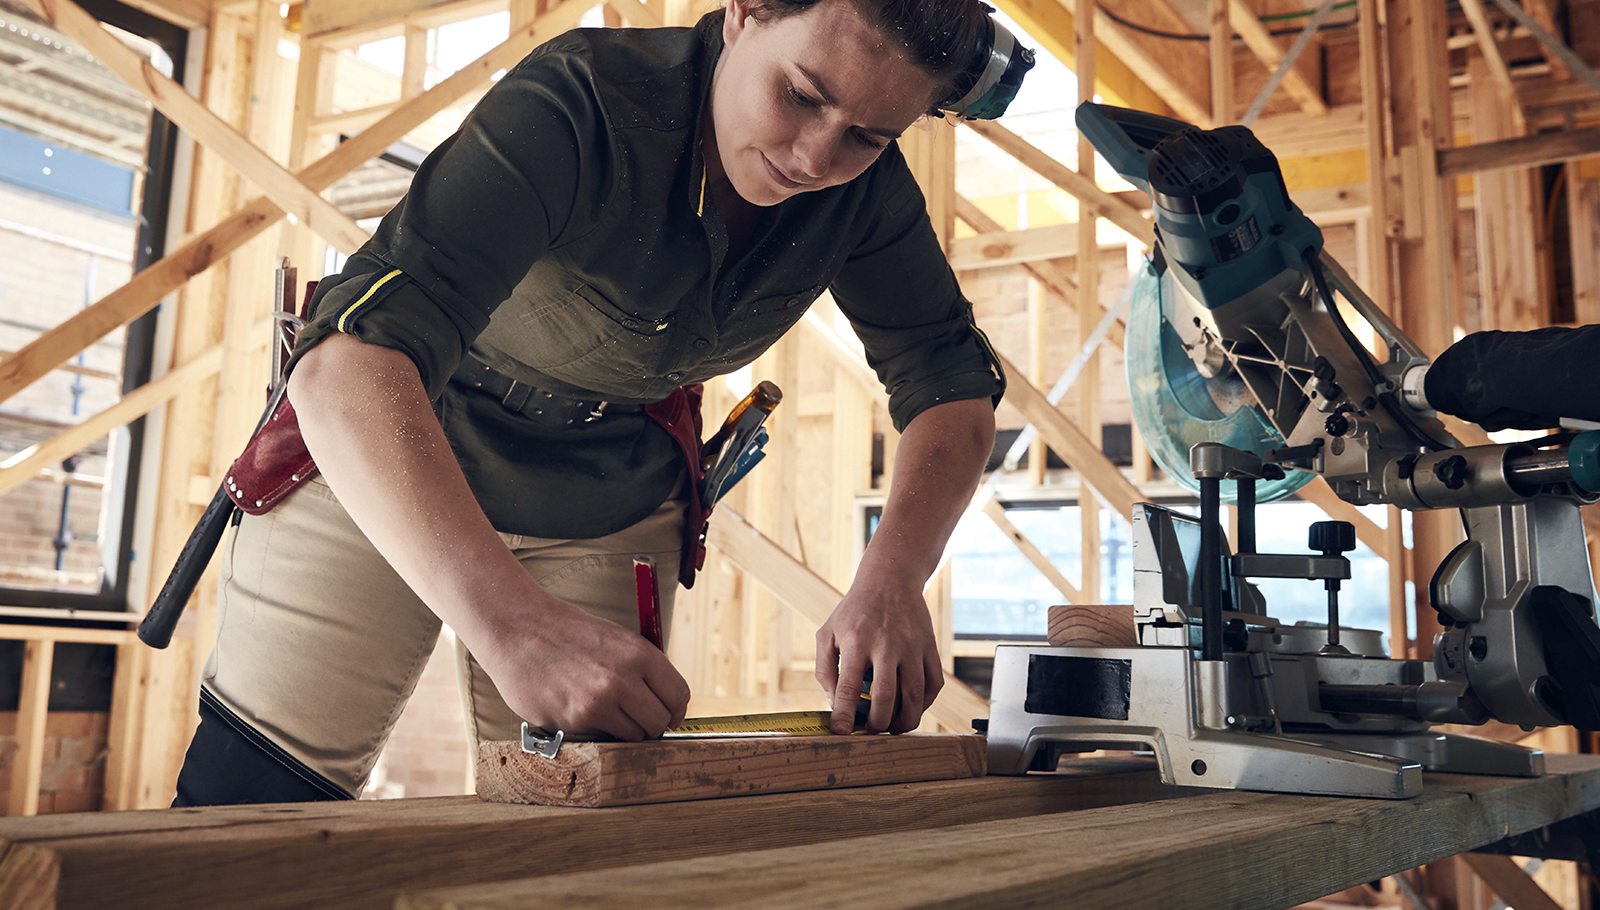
[{"x": 1125, "y": 137}]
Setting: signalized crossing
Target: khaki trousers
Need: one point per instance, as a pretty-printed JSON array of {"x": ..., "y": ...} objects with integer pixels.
[{"x": 320, "y": 643}]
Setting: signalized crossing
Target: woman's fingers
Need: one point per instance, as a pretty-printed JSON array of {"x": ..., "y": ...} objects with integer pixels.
[
  {"x": 852, "y": 665},
  {"x": 913, "y": 698},
  {"x": 885, "y": 688}
]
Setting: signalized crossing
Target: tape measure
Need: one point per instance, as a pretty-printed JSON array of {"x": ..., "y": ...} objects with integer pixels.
[
  {"x": 788, "y": 723},
  {"x": 730, "y": 726}
]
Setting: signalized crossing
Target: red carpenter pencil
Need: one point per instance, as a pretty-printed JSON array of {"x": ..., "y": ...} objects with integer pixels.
[{"x": 649, "y": 596}]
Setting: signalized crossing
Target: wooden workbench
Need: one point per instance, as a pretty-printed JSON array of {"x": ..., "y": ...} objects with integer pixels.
[{"x": 1104, "y": 833}]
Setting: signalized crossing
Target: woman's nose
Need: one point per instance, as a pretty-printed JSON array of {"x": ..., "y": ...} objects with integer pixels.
[{"x": 813, "y": 152}]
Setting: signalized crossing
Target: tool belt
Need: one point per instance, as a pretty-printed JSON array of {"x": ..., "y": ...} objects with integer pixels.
[
  {"x": 276, "y": 462},
  {"x": 546, "y": 409}
]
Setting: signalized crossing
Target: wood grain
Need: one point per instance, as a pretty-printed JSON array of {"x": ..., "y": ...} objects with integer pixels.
[
  {"x": 1524, "y": 151},
  {"x": 1093, "y": 626},
  {"x": 358, "y": 855},
  {"x": 1247, "y": 851},
  {"x": 623, "y": 774}
]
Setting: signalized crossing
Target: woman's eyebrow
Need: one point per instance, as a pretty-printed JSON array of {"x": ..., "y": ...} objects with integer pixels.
[{"x": 827, "y": 97}]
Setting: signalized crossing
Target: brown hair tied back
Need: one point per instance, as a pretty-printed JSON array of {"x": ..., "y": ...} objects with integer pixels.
[{"x": 938, "y": 36}]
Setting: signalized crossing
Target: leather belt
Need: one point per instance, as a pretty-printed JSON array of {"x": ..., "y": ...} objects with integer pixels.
[{"x": 546, "y": 408}]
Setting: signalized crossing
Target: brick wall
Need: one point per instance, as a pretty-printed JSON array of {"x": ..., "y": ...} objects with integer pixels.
[
  {"x": 43, "y": 284},
  {"x": 74, "y": 760}
]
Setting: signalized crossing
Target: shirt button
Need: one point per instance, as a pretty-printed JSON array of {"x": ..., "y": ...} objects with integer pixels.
[
  {"x": 674, "y": 377},
  {"x": 791, "y": 302},
  {"x": 702, "y": 343},
  {"x": 631, "y": 323}
]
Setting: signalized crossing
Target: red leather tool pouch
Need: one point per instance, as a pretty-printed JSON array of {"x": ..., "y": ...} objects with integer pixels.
[
  {"x": 273, "y": 465},
  {"x": 679, "y": 415}
]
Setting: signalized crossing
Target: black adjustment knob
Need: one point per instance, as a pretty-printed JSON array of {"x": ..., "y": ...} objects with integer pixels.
[
  {"x": 1330, "y": 538},
  {"x": 1452, "y": 472},
  {"x": 1323, "y": 370},
  {"x": 1336, "y": 424},
  {"x": 1271, "y": 472}
]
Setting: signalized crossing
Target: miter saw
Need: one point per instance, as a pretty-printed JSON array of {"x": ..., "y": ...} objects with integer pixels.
[{"x": 1246, "y": 381}]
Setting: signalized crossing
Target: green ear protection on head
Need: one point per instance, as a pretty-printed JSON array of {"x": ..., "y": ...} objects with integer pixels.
[{"x": 992, "y": 77}]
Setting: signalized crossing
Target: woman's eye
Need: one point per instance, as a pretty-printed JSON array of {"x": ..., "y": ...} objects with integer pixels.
[
  {"x": 797, "y": 98},
  {"x": 870, "y": 142}
]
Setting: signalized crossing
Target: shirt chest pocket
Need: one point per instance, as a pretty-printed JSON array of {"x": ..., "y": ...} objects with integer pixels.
[
  {"x": 758, "y": 326},
  {"x": 623, "y": 346}
]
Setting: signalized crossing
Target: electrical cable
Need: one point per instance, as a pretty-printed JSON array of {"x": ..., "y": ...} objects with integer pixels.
[
  {"x": 1178, "y": 36},
  {"x": 1395, "y": 410}
]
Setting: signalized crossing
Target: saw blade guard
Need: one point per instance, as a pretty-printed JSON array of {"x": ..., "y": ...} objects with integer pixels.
[{"x": 1175, "y": 407}]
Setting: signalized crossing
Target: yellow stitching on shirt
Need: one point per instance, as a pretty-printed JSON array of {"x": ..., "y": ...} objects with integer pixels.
[
  {"x": 363, "y": 299},
  {"x": 983, "y": 339},
  {"x": 701, "y": 212}
]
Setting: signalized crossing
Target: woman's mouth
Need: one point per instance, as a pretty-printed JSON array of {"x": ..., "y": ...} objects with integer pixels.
[{"x": 779, "y": 177}]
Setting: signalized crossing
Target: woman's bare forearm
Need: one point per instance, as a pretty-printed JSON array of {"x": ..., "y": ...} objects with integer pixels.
[
  {"x": 366, "y": 420},
  {"x": 936, "y": 469}
]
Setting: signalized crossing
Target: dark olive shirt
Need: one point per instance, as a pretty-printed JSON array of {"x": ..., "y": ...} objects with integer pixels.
[{"x": 564, "y": 237}]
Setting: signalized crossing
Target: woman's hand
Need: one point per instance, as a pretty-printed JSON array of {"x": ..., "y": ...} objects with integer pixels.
[
  {"x": 567, "y": 670},
  {"x": 881, "y": 625},
  {"x": 364, "y": 415}
]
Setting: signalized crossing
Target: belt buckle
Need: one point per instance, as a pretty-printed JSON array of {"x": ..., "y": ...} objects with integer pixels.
[{"x": 598, "y": 412}]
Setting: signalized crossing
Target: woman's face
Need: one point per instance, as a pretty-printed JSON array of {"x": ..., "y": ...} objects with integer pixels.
[{"x": 808, "y": 101}]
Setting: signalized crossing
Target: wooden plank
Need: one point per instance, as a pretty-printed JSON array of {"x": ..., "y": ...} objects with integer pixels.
[
  {"x": 284, "y": 188},
  {"x": 997, "y": 514},
  {"x": 146, "y": 289},
  {"x": 29, "y": 878},
  {"x": 1496, "y": 62},
  {"x": 1524, "y": 151},
  {"x": 68, "y": 634},
  {"x": 1001, "y": 248},
  {"x": 590, "y": 775},
  {"x": 358, "y": 854},
  {"x": 1221, "y": 60},
  {"x": 1507, "y": 879},
  {"x": 850, "y": 360},
  {"x": 1088, "y": 317},
  {"x": 414, "y": 68},
  {"x": 24, "y": 465},
  {"x": 1259, "y": 39},
  {"x": 33, "y": 706},
  {"x": 1038, "y": 361},
  {"x": 1176, "y": 853},
  {"x": 1092, "y": 626},
  {"x": 1583, "y": 213},
  {"x": 345, "y": 121},
  {"x": 1082, "y": 455},
  {"x": 813, "y": 598},
  {"x": 1098, "y": 202},
  {"x": 1048, "y": 273}
]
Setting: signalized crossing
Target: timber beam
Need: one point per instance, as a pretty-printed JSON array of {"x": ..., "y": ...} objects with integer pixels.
[
  {"x": 148, "y": 287},
  {"x": 285, "y": 189},
  {"x": 1259, "y": 39},
  {"x": 1524, "y": 151}
]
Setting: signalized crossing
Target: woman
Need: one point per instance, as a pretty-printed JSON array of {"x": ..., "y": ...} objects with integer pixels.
[{"x": 492, "y": 386}]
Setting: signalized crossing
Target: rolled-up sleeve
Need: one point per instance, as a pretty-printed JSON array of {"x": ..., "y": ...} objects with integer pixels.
[
  {"x": 902, "y": 299},
  {"x": 529, "y": 170}
]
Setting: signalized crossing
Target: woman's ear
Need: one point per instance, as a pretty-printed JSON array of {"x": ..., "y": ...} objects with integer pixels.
[{"x": 735, "y": 20}]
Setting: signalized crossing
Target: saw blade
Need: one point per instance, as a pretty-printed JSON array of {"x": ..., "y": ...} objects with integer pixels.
[{"x": 1175, "y": 407}]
